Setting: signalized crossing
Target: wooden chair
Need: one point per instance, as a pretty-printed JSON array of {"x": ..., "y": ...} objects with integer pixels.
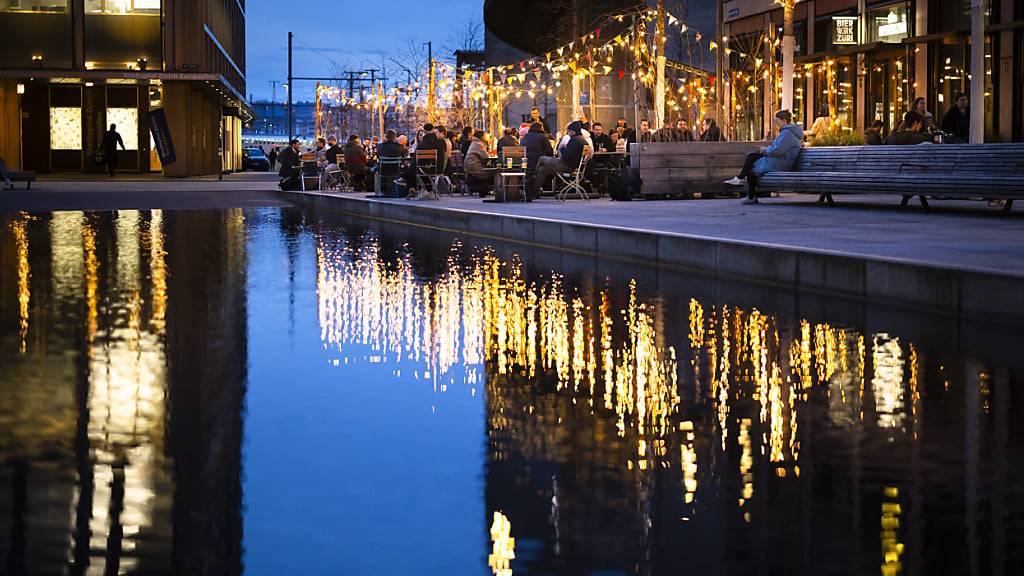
[
  {"x": 516, "y": 153},
  {"x": 428, "y": 169}
]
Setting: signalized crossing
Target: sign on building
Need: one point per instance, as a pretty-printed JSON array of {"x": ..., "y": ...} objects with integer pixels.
[{"x": 844, "y": 30}]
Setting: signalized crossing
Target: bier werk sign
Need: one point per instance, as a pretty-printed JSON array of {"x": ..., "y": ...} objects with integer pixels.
[{"x": 844, "y": 30}]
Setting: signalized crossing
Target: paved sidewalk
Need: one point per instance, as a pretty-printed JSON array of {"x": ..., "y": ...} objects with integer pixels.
[
  {"x": 140, "y": 193},
  {"x": 962, "y": 235}
]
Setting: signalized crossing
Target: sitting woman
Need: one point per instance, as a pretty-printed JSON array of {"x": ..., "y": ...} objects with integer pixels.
[
  {"x": 477, "y": 179},
  {"x": 779, "y": 157}
]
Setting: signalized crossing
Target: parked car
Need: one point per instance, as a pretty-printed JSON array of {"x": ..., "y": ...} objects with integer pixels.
[{"x": 255, "y": 159}]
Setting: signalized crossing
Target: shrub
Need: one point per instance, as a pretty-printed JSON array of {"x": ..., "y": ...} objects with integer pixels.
[{"x": 839, "y": 138}]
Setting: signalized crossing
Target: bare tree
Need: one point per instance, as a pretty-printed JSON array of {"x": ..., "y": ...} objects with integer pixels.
[{"x": 467, "y": 37}]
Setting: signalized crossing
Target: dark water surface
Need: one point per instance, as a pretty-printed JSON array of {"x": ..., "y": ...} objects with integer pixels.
[{"x": 272, "y": 391}]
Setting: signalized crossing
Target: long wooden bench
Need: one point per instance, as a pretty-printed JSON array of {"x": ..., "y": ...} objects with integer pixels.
[
  {"x": 684, "y": 169},
  {"x": 22, "y": 176},
  {"x": 975, "y": 171}
]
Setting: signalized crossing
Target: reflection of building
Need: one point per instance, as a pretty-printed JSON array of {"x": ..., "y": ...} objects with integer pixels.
[
  {"x": 120, "y": 406},
  {"x": 867, "y": 60},
  {"x": 70, "y": 68},
  {"x": 272, "y": 119}
]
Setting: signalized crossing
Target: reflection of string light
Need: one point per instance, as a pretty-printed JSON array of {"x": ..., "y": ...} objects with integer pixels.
[
  {"x": 157, "y": 271},
  {"x": 892, "y": 548},
  {"x": 503, "y": 548},
  {"x": 887, "y": 382},
  {"x": 24, "y": 291},
  {"x": 688, "y": 461}
]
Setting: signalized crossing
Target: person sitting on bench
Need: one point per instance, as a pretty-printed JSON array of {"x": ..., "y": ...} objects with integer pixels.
[
  {"x": 910, "y": 132},
  {"x": 3, "y": 174},
  {"x": 477, "y": 178},
  {"x": 779, "y": 157}
]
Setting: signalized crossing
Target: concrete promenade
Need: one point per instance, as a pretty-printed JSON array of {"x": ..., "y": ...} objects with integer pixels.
[{"x": 958, "y": 258}]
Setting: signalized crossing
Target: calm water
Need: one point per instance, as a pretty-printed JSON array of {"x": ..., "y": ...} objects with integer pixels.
[{"x": 273, "y": 392}]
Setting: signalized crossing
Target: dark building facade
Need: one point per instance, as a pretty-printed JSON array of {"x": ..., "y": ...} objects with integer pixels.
[
  {"x": 868, "y": 59},
  {"x": 70, "y": 68}
]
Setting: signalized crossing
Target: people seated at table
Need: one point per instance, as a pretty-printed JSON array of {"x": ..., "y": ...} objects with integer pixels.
[
  {"x": 710, "y": 132},
  {"x": 645, "y": 134},
  {"x": 873, "y": 133},
  {"x": 910, "y": 131},
  {"x": 320, "y": 151},
  {"x": 289, "y": 172},
  {"x": 508, "y": 138},
  {"x": 569, "y": 159},
  {"x": 581, "y": 132},
  {"x": 536, "y": 117},
  {"x": 477, "y": 178},
  {"x": 391, "y": 147},
  {"x": 332, "y": 152},
  {"x": 778, "y": 157},
  {"x": 445, "y": 139},
  {"x": 465, "y": 140},
  {"x": 602, "y": 142},
  {"x": 355, "y": 163},
  {"x": 683, "y": 132},
  {"x": 431, "y": 141},
  {"x": 537, "y": 145}
]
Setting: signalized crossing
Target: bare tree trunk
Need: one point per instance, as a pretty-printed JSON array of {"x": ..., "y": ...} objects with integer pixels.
[{"x": 788, "y": 48}]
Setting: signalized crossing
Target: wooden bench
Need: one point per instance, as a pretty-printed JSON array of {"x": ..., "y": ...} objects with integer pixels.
[
  {"x": 22, "y": 176},
  {"x": 985, "y": 171},
  {"x": 684, "y": 169}
]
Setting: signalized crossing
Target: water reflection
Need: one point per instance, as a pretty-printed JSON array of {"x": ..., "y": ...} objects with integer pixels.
[
  {"x": 633, "y": 422},
  {"x": 92, "y": 463},
  {"x": 763, "y": 441}
]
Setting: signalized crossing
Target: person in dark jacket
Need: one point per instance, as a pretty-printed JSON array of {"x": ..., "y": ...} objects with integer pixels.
[
  {"x": 355, "y": 162},
  {"x": 910, "y": 131},
  {"x": 333, "y": 151},
  {"x": 683, "y": 132},
  {"x": 111, "y": 139},
  {"x": 957, "y": 120},
  {"x": 272, "y": 157},
  {"x": 873, "y": 135},
  {"x": 536, "y": 117},
  {"x": 710, "y": 132},
  {"x": 507, "y": 139},
  {"x": 465, "y": 140},
  {"x": 569, "y": 161},
  {"x": 289, "y": 159},
  {"x": 537, "y": 146},
  {"x": 3, "y": 174},
  {"x": 390, "y": 147},
  {"x": 602, "y": 141}
]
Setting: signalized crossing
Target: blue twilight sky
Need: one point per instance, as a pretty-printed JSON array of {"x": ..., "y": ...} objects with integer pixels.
[{"x": 356, "y": 35}]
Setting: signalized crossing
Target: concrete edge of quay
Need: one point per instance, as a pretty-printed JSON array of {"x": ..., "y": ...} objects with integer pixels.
[{"x": 945, "y": 290}]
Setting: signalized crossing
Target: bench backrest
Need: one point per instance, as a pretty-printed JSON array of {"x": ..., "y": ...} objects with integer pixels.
[{"x": 993, "y": 159}]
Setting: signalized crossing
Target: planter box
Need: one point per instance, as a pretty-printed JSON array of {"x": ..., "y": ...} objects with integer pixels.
[{"x": 685, "y": 169}]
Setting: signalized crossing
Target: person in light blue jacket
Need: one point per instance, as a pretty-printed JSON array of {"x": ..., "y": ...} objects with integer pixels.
[{"x": 779, "y": 157}]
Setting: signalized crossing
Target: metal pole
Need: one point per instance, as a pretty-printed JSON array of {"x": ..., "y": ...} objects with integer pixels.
[
  {"x": 977, "y": 106},
  {"x": 291, "y": 114},
  {"x": 659, "y": 86},
  {"x": 430, "y": 87}
]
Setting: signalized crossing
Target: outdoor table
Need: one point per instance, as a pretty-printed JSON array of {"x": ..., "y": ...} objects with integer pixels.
[{"x": 508, "y": 186}]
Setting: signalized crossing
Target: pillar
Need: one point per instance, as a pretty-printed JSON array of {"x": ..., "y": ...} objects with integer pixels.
[{"x": 10, "y": 123}]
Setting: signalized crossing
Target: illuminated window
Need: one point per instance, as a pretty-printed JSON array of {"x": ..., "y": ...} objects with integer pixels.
[
  {"x": 127, "y": 120},
  {"x": 122, "y": 7},
  {"x": 66, "y": 128},
  {"x": 50, "y": 6}
]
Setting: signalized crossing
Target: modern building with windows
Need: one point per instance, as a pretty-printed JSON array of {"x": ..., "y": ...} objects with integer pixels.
[
  {"x": 869, "y": 59},
  {"x": 70, "y": 68}
]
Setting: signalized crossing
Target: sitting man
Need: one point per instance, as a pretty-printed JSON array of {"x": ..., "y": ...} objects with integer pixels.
[
  {"x": 355, "y": 163},
  {"x": 508, "y": 139},
  {"x": 910, "y": 132},
  {"x": 320, "y": 153},
  {"x": 391, "y": 147},
  {"x": 779, "y": 157},
  {"x": 476, "y": 161},
  {"x": 537, "y": 146},
  {"x": 289, "y": 173},
  {"x": 602, "y": 141},
  {"x": 568, "y": 161},
  {"x": 873, "y": 134}
]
